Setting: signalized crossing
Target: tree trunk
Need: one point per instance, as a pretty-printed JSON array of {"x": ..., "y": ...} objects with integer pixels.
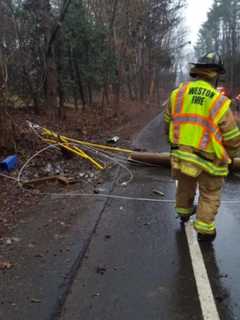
[
  {"x": 72, "y": 76},
  {"x": 90, "y": 95},
  {"x": 141, "y": 85},
  {"x": 52, "y": 83},
  {"x": 33, "y": 93},
  {"x": 61, "y": 112},
  {"x": 105, "y": 96},
  {"x": 79, "y": 81},
  {"x": 129, "y": 85},
  {"x": 60, "y": 87},
  {"x": 7, "y": 139}
]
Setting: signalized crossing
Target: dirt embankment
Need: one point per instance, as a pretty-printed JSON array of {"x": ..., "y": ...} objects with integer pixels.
[{"x": 92, "y": 124}]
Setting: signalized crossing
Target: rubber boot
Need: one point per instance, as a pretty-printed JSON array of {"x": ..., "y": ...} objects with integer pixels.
[{"x": 206, "y": 237}]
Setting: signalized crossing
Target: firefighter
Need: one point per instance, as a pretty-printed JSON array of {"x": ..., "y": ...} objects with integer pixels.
[{"x": 204, "y": 138}]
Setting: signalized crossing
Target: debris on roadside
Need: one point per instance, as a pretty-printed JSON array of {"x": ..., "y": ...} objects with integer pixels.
[
  {"x": 9, "y": 163},
  {"x": 97, "y": 294},
  {"x": 223, "y": 276},
  {"x": 33, "y": 300},
  {"x": 113, "y": 139},
  {"x": 63, "y": 179},
  {"x": 221, "y": 298},
  {"x": 5, "y": 265},
  {"x": 49, "y": 168},
  {"x": 147, "y": 224},
  {"x": 158, "y": 192},
  {"x": 38, "y": 255},
  {"x": 101, "y": 270},
  {"x": 15, "y": 202},
  {"x": 10, "y": 241},
  {"x": 99, "y": 190}
]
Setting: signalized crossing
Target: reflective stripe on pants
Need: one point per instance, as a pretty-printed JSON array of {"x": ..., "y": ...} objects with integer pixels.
[
  {"x": 204, "y": 228},
  {"x": 184, "y": 211}
]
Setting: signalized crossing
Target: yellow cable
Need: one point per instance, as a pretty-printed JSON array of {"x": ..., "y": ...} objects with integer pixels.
[
  {"x": 84, "y": 155},
  {"x": 65, "y": 141},
  {"x": 78, "y": 152},
  {"x": 100, "y": 146}
]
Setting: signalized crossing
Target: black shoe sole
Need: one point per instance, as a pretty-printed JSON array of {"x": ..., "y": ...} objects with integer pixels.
[
  {"x": 206, "y": 237},
  {"x": 185, "y": 219}
]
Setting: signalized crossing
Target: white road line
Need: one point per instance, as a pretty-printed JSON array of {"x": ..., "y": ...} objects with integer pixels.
[{"x": 207, "y": 302}]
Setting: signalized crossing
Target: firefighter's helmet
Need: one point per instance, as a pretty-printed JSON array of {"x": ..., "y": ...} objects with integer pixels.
[{"x": 210, "y": 61}]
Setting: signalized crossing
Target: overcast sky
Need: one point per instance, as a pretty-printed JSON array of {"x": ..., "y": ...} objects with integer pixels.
[{"x": 196, "y": 14}]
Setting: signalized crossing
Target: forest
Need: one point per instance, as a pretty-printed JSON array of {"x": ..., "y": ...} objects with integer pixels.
[
  {"x": 221, "y": 33},
  {"x": 85, "y": 54}
]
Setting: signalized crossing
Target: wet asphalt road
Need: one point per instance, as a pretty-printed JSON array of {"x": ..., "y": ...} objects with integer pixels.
[
  {"x": 119, "y": 259},
  {"x": 138, "y": 264}
]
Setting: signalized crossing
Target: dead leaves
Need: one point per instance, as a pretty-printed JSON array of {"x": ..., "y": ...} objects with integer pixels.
[{"x": 5, "y": 265}]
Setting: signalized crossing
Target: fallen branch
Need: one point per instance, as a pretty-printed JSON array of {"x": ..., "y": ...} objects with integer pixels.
[{"x": 62, "y": 179}]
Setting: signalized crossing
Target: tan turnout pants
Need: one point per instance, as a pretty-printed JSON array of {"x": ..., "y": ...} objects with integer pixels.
[{"x": 210, "y": 194}]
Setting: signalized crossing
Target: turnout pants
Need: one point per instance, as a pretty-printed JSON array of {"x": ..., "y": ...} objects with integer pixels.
[{"x": 209, "y": 199}]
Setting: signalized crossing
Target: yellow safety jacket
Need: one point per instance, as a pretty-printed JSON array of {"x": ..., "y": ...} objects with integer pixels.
[{"x": 196, "y": 109}]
